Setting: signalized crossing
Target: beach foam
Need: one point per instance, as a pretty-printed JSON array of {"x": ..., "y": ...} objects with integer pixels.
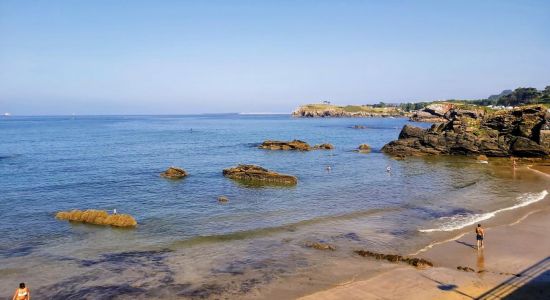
[{"x": 460, "y": 221}]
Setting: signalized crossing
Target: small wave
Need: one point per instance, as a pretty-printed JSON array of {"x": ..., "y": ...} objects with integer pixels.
[
  {"x": 460, "y": 221},
  {"x": 265, "y": 231}
]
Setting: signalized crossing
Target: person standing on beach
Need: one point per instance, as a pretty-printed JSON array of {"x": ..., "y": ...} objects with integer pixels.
[
  {"x": 480, "y": 234},
  {"x": 22, "y": 293}
]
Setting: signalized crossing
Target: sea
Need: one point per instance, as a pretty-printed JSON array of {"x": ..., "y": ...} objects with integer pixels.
[{"x": 188, "y": 245}]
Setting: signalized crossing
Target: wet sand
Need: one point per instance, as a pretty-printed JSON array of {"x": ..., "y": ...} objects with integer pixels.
[{"x": 515, "y": 262}]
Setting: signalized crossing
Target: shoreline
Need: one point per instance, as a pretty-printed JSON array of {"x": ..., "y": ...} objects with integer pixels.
[{"x": 510, "y": 250}]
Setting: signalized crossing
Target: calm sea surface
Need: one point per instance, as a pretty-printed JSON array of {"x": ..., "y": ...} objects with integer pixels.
[{"x": 186, "y": 242}]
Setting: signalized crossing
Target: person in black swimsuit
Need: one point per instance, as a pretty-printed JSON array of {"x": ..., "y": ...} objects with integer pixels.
[{"x": 480, "y": 234}]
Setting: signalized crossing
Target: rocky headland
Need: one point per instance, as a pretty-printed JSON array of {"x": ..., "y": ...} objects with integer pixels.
[
  {"x": 257, "y": 174},
  {"x": 334, "y": 111},
  {"x": 521, "y": 132}
]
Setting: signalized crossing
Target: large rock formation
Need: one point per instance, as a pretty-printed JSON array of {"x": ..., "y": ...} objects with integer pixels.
[
  {"x": 256, "y": 174},
  {"x": 520, "y": 132},
  {"x": 282, "y": 145}
]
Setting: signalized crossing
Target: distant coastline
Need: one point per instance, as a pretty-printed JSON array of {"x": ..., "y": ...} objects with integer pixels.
[{"x": 329, "y": 110}]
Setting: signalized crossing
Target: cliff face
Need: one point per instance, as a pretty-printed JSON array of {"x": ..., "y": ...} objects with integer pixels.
[
  {"x": 327, "y": 111},
  {"x": 522, "y": 132}
]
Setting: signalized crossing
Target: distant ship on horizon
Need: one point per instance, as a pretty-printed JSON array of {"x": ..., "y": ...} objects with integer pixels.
[{"x": 7, "y": 114}]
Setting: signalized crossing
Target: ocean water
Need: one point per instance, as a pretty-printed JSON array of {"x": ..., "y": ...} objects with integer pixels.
[{"x": 189, "y": 245}]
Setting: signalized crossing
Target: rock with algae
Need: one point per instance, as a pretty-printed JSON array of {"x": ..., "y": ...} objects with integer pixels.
[
  {"x": 413, "y": 261},
  {"x": 98, "y": 217}
]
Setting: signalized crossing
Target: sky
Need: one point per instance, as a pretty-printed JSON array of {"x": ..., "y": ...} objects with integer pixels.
[{"x": 187, "y": 57}]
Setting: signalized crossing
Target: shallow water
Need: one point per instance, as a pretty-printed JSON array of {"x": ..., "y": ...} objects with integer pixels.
[{"x": 187, "y": 243}]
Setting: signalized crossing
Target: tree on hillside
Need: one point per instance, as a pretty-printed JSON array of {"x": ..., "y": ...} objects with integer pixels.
[
  {"x": 520, "y": 96},
  {"x": 502, "y": 94}
]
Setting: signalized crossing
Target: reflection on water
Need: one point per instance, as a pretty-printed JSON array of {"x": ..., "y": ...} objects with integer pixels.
[{"x": 480, "y": 261}]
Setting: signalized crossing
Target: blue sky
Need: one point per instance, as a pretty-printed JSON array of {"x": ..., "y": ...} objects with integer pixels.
[{"x": 165, "y": 57}]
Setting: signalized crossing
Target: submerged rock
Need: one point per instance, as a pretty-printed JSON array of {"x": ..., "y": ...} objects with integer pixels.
[
  {"x": 97, "y": 217},
  {"x": 417, "y": 262},
  {"x": 174, "y": 173},
  {"x": 320, "y": 246},
  {"x": 284, "y": 145},
  {"x": 256, "y": 174},
  {"x": 325, "y": 146},
  {"x": 516, "y": 132}
]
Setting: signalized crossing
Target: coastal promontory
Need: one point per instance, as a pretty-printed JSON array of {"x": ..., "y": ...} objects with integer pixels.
[{"x": 329, "y": 110}]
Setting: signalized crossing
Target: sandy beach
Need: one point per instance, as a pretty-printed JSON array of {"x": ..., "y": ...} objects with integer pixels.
[{"x": 514, "y": 264}]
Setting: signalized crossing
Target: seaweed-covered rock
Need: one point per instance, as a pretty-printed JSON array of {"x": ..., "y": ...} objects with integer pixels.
[
  {"x": 256, "y": 174},
  {"x": 413, "y": 261},
  {"x": 97, "y": 217},
  {"x": 320, "y": 246},
  {"x": 519, "y": 132},
  {"x": 174, "y": 173},
  {"x": 285, "y": 145}
]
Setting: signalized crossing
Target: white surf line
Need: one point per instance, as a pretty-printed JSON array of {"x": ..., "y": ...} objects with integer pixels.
[
  {"x": 537, "y": 171},
  {"x": 464, "y": 221},
  {"x": 433, "y": 244}
]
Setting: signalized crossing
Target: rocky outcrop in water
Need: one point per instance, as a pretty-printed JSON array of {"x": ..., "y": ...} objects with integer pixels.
[
  {"x": 283, "y": 145},
  {"x": 522, "y": 132},
  {"x": 174, "y": 173},
  {"x": 417, "y": 262},
  {"x": 256, "y": 174},
  {"x": 325, "y": 146},
  {"x": 364, "y": 148}
]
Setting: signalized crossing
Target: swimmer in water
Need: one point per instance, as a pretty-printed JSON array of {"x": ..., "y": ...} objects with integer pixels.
[
  {"x": 328, "y": 168},
  {"x": 388, "y": 169}
]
